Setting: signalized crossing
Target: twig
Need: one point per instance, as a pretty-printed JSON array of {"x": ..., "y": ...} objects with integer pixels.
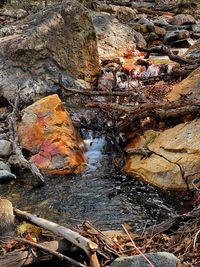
[
  {"x": 195, "y": 239},
  {"x": 87, "y": 245},
  {"x": 92, "y": 93},
  {"x": 137, "y": 249},
  {"x": 15, "y": 143},
  {"x": 50, "y": 251}
]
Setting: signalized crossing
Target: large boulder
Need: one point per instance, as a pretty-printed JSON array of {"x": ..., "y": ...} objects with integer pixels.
[
  {"x": 113, "y": 37},
  {"x": 174, "y": 159},
  {"x": 46, "y": 130},
  {"x": 189, "y": 86},
  {"x": 60, "y": 39}
]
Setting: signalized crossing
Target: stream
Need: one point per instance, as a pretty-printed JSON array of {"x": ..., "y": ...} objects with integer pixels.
[{"x": 101, "y": 195}]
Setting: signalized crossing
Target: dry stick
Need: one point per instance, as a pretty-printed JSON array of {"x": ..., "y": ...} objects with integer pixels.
[
  {"x": 138, "y": 250},
  {"x": 92, "y": 93},
  {"x": 50, "y": 251},
  {"x": 86, "y": 244},
  {"x": 15, "y": 143}
]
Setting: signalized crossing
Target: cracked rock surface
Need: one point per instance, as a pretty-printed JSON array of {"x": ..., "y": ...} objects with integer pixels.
[{"x": 173, "y": 160}]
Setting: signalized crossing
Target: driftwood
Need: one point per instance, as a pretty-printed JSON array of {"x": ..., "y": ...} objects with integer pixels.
[
  {"x": 85, "y": 244},
  {"x": 20, "y": 258},
  {"x": 15, "y": 143}
]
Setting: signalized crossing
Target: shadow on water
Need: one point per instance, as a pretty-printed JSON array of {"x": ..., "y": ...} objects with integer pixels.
[{"x": 100, "y": 195}]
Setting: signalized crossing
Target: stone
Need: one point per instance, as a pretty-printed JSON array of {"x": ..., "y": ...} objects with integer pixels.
[
  {"x": 6, "y": 176},
  {"x": 145, "y": 21},
  {"x": 183, "y": 34},
  {"x": 5, "y": 148},
  {"x": 196, "y": 28},
  {"x": 172, "y": 148},
  {"x": 4, "y": 166},
  {"x": 170, "y": 37},
  {"x": 47, "y": 131},
  {"x": 189, "y": 86},
  {"x": 142, "y": 4},
  {"x": 183, "y": 43},
  {"x": 194, "y": 51},
  {"x": 6, "y": 218},
  {"x": 159, "y": 30},
  {"x": 160, "y": 21},
  {"x": 14, "y": 13},
  {"x": 159, "y": 259},
  {"x": 182, "y": 19},
  {"x": 59, "y": 39},
  {"x": 114, "y": 38}
]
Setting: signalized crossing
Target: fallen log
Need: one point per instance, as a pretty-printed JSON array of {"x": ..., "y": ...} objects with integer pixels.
[{"x": 85, "y": 244}]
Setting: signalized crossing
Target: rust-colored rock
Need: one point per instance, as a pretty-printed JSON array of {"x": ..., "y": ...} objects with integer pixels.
[{"x": 47, "y": 131}]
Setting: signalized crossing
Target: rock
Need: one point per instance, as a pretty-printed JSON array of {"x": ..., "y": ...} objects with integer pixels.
[
  {"x": 142, "y": 4},
  {"x": 6, "y": 218},
  {"x": 182, "y": 19},
  {"x": 47, "y": 131},
  {"x": 6, "y": 176},
  {"x": 194, "y": 51},
  {"x": 196, "y": 27},
  {"x": 184, "y": 43},
  {"x": 170, "y": 37},
  {"x": 159, "y": 30},
  {"x": 159, "y": 259},
  {"x": 14, "y": 13},
  {"x": 183, "y": 34},
  {"x": 145, "y": 21},
  {"x": 124, "y": 13},
  {"x": 5, "y": 148},
  {"x": 138, "y": 27},
  {"x": 4, "y": 166},
  {"x": 114, "y": 38},
  {"x": 172, "y": 148},
  {"x": 189, "y": 86},
  {"x": 160, "y": 21},
  {"x": 59, "y": 39}
]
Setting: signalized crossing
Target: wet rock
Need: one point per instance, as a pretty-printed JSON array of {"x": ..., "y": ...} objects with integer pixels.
[
  {"x": 47, "y": 131},
  {"x": 170, "y": 149},
  {"x": 114, "y": 38},
  {"x": 6, "y": 176},
  {"x": 159, "y": 259},
  {"x": 60, "y": 39},
  {"x": 6, "y": 218},
  {"x": 194, "y": 51},
  {"x": 5, "y": 148},
  {"x": 189, "y": 86},
  {"x": 182, "y": 19},
  {"x": 4, "y": 166}
]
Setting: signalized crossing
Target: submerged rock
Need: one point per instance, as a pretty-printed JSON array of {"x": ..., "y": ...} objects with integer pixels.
[
  {"x": 158, "y": 259},
  {"x": 59, "y": 39},
  {"x": 47, "y": 131},
  {"x": 174, "y": 159},
  {"x": 113, "y": 37}
]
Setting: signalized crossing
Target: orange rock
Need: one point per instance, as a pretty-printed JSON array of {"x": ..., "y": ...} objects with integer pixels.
[{"x": 47, "y": 131}]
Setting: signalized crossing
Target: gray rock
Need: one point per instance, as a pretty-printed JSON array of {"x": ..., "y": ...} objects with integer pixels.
[
  {"x": 181, "y": 19},
  {"x": 113, "y": 37},
  {"x": 159, "y": 259},
  {"x": 4, "y": 166},
  {"x": 6, "y": 176},
  {"x": 145, "y": 21},
  {"x": 59, "y": 39},
  {"x": 196, "y": 27},
  {"x": 142, "y": 4},
  {"x": 161, "y": 22},
  {"x": 5, "y": 148}
]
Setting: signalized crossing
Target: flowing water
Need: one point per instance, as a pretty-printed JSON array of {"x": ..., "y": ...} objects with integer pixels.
[{"x": 100, "y": 195}]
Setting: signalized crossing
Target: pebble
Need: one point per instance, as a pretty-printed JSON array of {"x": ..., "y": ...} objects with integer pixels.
[{"x": 5, "y": 148}]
